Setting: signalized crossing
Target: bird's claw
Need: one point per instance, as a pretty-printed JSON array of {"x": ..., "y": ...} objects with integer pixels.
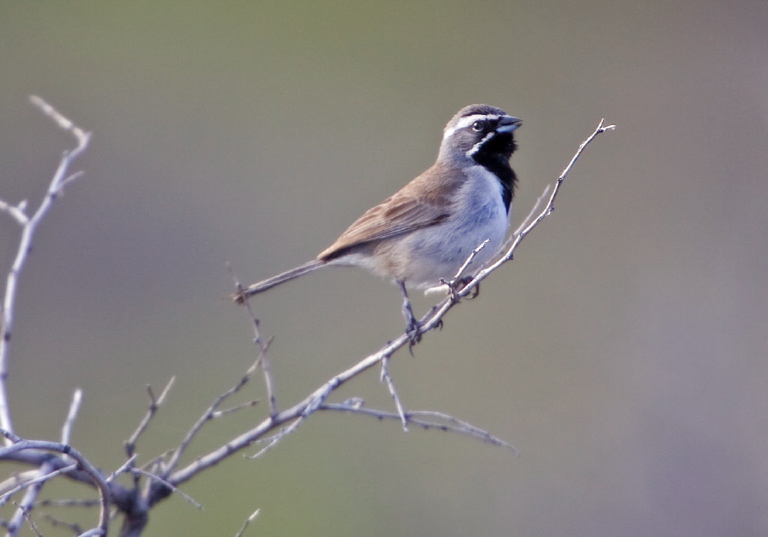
[
  {"x": 456, "y": 285},
  {"x": 475, "y": 292},
  {"x": 413, "y": 332}
]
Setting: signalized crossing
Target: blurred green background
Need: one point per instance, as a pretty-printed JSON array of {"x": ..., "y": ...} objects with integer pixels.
[{"x": 623, "y": 351}]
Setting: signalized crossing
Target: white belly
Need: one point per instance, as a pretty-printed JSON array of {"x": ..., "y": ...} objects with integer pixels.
[{"x": 429, "y": 254}]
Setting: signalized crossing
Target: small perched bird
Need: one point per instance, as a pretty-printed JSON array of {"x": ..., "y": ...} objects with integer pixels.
[{"x": 422, "y": 235}]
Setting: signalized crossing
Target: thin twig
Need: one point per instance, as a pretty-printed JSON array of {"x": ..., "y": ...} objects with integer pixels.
[
  {"x": 74, "y": 408},
  {"x": 62, "y": 121},
  {"x": 18, "y": 477},
  {"x": 273, "y": 440},
  {"x": 66, "y": 503},
  {"x": 385, "y": 377},
  {"x": 247, "y": 523},
  {"x": 125, "y": 467},
  {"x": 154, "y": 406},
  {"x": 269, "y": 385},
  {"x": 222, "y": 413},
  {"x": 25, "y": 246},
  {"x": 263, "y": 347},
  {"x": 301, "y": 410},
  {"x": 439, "y": 420},
  {"x": 69, "y": 180},
  {"x": 204, "y": 418},
  {"x": 44, "y": 475},
  {"x": 159, "y": 479},
  {"x": 15, "y": 211},
  {"x": 32, "y": 525},
  {"x": 530, "y": 216},
  {"x": 94, "y": 532},
  {"x": 55, "y": 522},
  {"x": 158, "y": 462},
  {"x": 18, "y": 444},
  {"x": 28, "y": 502},
  {"x": 449, "y": 286},
  {"x": 471, "y": 256}
]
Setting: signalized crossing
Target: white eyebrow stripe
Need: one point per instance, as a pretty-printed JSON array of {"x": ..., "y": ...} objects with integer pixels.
[{"x": 466, "y": 122}]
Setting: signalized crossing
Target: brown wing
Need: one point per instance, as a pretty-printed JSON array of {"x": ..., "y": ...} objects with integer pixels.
[{"x": 402, "y": 213}]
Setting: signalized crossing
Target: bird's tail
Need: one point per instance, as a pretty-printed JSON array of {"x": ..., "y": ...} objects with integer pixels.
[{"x": 244, "y": 294}]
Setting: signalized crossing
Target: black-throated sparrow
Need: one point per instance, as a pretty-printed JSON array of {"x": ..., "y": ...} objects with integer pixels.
[{"x": 425, "y": 232}]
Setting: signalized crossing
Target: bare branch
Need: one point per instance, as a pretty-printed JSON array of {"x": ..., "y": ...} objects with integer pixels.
[
  {"x": 207, "y": 415},
  {"x": 528, "y": 218},
  {"x": 29, "y": 226},
  {"x": 426, "y": 419},
  {"x": 295, "y": 414},
  {"x": 67, "y": 503},
  {"x": 25, "y": 507},
  {"x": 385, "y": 377},
  {"x": 247, "y": 523},
  {"x": 62, "y": 121},
  {"x": 159, "y": 479},
  {"x": 263, "y": 347},
  {"x": 18, "y": 444},
  {"x": 164, "y": 474},
  {"x": 44, "y": 475},
  {"x": 471, "y": 256},
  {"x": 74, "y": 408},
  {"x": 69, "y": 180},
  {"x": 55, "y": 522},
  {"x": 273, "y": 440},
  {"x": 154, "y": 406},
  {"x": 95, "y": 532},
  {"x": 15, "y": 211},
  {"x": 222, "y": 413},
  {"x": 32, "y": 524},
  {"x": 125, "y": 467}
]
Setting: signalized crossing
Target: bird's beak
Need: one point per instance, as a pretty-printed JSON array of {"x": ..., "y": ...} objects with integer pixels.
[{"x": 508, "y": 124}]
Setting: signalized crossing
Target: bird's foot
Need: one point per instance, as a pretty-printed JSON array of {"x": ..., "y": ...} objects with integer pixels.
[
  {"x": 413, "y": 331},
  {"x": 454, "y": 286}
]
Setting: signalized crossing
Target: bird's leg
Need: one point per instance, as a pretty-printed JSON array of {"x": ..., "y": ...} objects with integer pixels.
[{"x": 412, "y": 327}]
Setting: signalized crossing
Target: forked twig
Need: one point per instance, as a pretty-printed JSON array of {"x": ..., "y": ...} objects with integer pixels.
[
  {"x": 29, "y": 225},
  {"x": 154, "y": 406},
  {"x": 207, "y": 415},
  {"x": 159, "y": 479},
  {"x": 426, "y": 419},
  {"x": 101, "y": 485},
  {"x": 385, "y": 377},
  {"x": 41, "y": 478},
  {"x": 263, "y": 347}
]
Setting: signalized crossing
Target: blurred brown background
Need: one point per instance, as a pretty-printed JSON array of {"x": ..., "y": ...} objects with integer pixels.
[{"x": 623, "y": 352}]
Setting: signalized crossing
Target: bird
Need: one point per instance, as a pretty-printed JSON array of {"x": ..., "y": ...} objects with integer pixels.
[{"x": 421, "y": 236}]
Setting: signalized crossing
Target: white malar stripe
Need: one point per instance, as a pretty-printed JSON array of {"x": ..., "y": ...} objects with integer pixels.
[{"x": 478, "y": 145}]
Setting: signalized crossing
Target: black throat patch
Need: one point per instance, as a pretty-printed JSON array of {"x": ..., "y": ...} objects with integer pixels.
[{"x": 494, "y": 156}]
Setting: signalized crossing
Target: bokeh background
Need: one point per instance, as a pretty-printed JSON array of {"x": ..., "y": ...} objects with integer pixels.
[{"x": 623, "y": 351}]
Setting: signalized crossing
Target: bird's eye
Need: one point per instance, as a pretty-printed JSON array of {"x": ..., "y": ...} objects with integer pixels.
[{"x": 477, "y": 126}]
